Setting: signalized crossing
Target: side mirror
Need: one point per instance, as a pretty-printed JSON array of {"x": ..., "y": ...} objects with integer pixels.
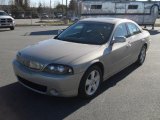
[
  {"x": 120, "y": 39},
  {"x": 60, "y": 31}
]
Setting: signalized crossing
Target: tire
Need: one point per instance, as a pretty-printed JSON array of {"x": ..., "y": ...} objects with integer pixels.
[
  {"x": 142, "y": 56},
  {"x": 12, "y": 28},
  {"x": 90, "y": 82}
]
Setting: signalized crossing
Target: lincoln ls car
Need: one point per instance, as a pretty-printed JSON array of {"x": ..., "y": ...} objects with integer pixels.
[{"x": 80, "y": 58}]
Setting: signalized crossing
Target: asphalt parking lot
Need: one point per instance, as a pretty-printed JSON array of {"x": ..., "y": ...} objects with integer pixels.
[{"x": 132, "y": 94}]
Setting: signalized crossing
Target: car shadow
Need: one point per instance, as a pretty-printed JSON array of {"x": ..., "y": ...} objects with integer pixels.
[
  {"x": 19, "y": 103},
  {"x": 4, "y": 30},
  {"x": 153, "y": 32},
  {"x": 112, "y": 81},
  {"x": 48, "y": 32}
]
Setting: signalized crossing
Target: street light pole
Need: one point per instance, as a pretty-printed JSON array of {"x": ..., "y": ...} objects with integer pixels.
[
  {"x": 50, "y": 9},
  {"x": 66, "y": 8}
]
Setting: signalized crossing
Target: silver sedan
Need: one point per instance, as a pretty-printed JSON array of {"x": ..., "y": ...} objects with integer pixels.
[{"x": 81, "y": 57}]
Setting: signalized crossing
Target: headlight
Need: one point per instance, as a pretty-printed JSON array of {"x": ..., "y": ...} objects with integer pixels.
[
  {"x": 35, "y": 65},
  {"x": 58, "y": 69}
]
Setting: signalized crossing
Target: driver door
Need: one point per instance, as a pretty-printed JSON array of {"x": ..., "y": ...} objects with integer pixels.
[{"x": 119, "y": 52}]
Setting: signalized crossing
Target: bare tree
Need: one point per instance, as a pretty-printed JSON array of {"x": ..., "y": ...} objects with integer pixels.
[
  {"x": 26, "y": 4},
  {"x": 40, "y": 8},
  {"x": 73, "y": 7},
  {"x": 2, "y": 2}
]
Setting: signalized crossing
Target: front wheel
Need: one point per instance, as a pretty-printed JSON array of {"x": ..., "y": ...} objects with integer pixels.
[
  {"x": 12, "y": 28},
  {"x": 142, "y": 56},
  {"x": 90, "y": 82}
]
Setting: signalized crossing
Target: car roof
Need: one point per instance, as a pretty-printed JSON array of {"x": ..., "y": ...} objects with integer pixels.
[
  {"x": 1, "y": 11},
  {"x": 107, "y": 20}
]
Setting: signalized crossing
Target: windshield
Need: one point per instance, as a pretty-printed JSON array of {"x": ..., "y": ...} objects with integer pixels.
[
  {"x": 96, "y": 33},
  {"x": 3, "y": 14}
]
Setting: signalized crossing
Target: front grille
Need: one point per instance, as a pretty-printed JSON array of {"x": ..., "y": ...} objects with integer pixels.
[
  {"x": 29, "y": 63},
  {"x": 9, "y": 20},
  {"x": 32, "y": 85},
  {"x": 6, "y": 20},
  {"x": 3, "y": 19}
]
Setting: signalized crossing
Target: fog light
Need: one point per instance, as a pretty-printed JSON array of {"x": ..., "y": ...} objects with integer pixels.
[{"x": 54, "y": 92}]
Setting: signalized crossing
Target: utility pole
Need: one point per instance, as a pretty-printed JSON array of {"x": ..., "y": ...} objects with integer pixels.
[
  {"x": 66, "y": 19},
  {"x": 50, "y": 9},
  {"x": 62, "y": 8},
  {"x": 66, "y": 8}
]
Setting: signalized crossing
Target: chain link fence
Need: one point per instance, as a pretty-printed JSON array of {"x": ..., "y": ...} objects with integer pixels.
[{"x": 34, "y": 18}]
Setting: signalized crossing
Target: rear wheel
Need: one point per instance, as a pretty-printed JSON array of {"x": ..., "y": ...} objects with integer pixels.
[
  {"x": 142, "y": 55},
  {"x": 90, "y": 82}
]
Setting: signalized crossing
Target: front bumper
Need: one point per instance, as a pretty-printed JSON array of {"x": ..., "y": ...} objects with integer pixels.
[{"x": 56, "y": 85}]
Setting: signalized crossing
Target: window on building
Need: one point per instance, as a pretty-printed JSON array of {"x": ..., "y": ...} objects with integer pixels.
[
  {"x": 96, "y": 6},
  {"x": 132, "y": 6}
]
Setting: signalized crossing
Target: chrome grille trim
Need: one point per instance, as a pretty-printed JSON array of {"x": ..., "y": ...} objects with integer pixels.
[{"x": 28, "y": 63}]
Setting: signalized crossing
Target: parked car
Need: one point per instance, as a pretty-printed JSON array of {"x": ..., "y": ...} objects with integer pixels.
[
  {"x": 74, "y": 19},
  {"x": 28, "y": 17},
  {"x": 81, "y": 57},
  {"x": 6, "y": 21},
  {"x": 59, "y": 15},
  {"x": 44, "y": 16}
]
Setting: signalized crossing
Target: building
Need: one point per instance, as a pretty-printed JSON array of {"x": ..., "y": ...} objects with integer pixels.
[{"x": 142, "y": 12}]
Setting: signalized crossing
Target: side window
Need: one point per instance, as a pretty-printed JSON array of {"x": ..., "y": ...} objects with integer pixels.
[
  {"x": 133, "y": 29},
  {"x": 121, "y": 31}
]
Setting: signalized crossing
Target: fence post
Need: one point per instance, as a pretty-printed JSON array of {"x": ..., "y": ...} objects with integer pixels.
[{"x": 31, "y": 17}]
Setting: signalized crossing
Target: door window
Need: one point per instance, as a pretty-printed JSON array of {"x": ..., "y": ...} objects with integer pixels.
[
  {"x": 121, "y": 31},
  {"x": 133, "y": 29}
]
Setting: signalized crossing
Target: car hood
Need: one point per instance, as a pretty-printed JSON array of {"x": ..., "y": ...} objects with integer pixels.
[
  {"x": 1, "y": 17},
  {"x": 56, "y": 51}
]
